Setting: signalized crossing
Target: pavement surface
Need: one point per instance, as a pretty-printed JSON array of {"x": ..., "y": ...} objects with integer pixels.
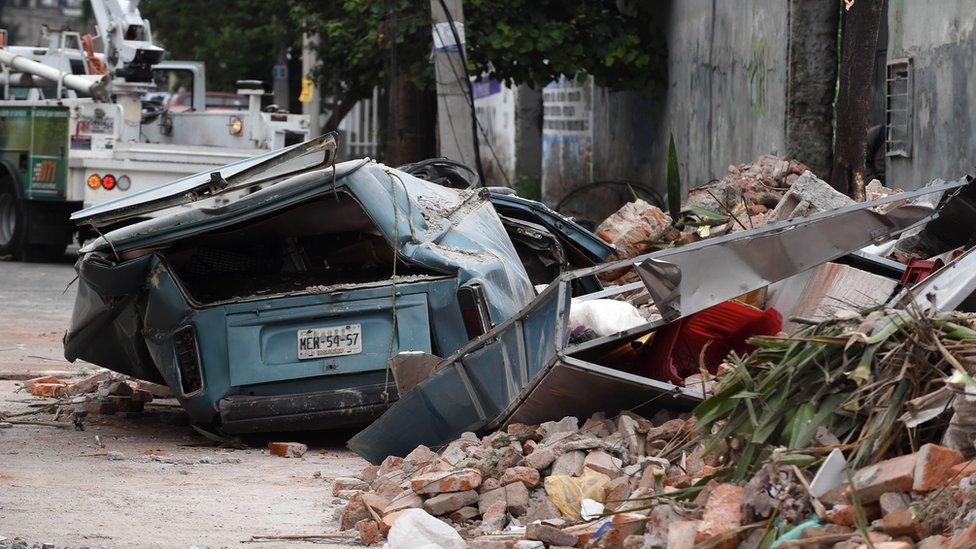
[{"x": 147, "y": 480}]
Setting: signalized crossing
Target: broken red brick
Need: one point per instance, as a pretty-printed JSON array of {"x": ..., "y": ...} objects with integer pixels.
[
  {"x": 621, "y": 526},
  {"x": 369, "y": 532},
  {"x": 407, "y": 499},
  {"x": 526, "y": 475},
  {"x": 369, "y": 473},
  {"x": 933, "y": 542},
  {"x": 352, "y": 513},
  {"x": 375, "y": 503},
  {"x": 892, "y": 475},
  {"x": 43, "y": 379},
  {"x": 287, "y": 449},
  {"x": 439, "y": 482},
  {"x": 448, "y": 502},
  {"x": 550, "y": 535},
  {"x": 844, "y": 515},
  {"x": 464, "y": 514},
  {"x": 47, "y": 390},
  {"x": 933, "y": 466},
  {"x": 900, "y": 523},
  {"x": 722, "y": 514}
]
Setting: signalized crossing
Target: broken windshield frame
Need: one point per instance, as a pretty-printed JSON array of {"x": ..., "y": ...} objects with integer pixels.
[{"x": 318, "y": 153}]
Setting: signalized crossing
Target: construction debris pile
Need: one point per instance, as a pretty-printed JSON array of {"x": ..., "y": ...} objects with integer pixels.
[
  {"x": 847, "y": 421},
  {"x": 606, "y": 484},
  {"x": 760, "y": 462},
  {"x": 101, "y": 393}
]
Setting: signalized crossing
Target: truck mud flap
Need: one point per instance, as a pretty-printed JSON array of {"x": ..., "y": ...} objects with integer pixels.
[{"x": 525, "y": 370}]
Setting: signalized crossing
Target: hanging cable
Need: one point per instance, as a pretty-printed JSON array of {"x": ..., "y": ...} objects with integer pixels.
[{"x": 469, "y": 97}]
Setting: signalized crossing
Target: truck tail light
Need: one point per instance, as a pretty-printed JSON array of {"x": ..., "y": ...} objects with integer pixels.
[
  {"x": 108, "y": 182},
  {"x": 188, "y": 360},
  {"x": 94, "y": 181},
  {"x": 474, "y": 310},
  {"x": 124, "y": 183}
]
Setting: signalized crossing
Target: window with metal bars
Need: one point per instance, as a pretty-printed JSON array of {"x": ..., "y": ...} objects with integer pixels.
[{"x": 899, "y": 103}]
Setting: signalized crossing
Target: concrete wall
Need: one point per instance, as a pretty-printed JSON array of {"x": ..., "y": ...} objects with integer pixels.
[
  {"x": 725, "y": 102},
  {"x": 942, "y": 45},
  {"x": 727, "y": 72}
]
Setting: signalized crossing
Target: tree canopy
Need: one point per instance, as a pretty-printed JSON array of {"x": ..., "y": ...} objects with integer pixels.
[{"x": 360, "y": 41}]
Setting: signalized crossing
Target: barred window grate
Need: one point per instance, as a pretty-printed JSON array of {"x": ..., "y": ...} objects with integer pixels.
[{"x": 899, "y": 103}]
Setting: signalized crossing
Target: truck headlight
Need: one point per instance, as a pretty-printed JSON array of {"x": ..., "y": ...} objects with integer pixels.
[{"x": 236, "y": 126}]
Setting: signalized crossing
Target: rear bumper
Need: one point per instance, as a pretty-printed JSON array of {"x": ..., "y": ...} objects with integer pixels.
[{"x": 320, "y": 410}]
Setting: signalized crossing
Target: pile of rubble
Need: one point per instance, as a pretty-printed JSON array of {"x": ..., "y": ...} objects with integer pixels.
[
  {"x": 545, "y": 483},
  {"x": 104, "y": 393},
  {"x": 749, "y": 196},
  {"x": 606, "y": 484}
]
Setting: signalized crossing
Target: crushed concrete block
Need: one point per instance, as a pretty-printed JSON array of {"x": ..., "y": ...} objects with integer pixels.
[
  {"x": 722, "y": 514},
  {"x": 808, "y": 195},
  {"x": 452, "y": 481},
  {"x": 287, "y": 449},
  {"x": 449, "y": 502},
  {"x": 569, "y": 463},
  {"x": 602, "y": 461},
  {"x": 892, "y": 475},
  {"x": 529, "y": 544},
  {"x": 550, "y": 535},
  {"x": 933, "y": 466},
  {"x": 526, "y": 475}
]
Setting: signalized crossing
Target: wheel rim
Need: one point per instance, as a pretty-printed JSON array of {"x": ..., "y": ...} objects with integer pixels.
[{"x": 8, "y": 219}]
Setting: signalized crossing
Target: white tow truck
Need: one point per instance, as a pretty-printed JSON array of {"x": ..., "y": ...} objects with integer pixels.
[{"x": 80, "y": 126}]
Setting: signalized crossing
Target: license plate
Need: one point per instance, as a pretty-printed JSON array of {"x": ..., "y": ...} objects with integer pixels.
[{"x": 331, "y": 341}]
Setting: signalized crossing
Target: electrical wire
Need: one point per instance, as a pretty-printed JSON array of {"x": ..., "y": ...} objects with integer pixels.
[{"x": 469, "y": 97}]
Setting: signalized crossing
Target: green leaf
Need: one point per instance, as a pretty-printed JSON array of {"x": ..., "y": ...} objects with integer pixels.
[{"x": 673, "y": 181}]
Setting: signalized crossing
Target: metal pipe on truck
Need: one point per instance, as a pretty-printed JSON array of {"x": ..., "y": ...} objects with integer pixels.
[{"x": 93, "y": 85}]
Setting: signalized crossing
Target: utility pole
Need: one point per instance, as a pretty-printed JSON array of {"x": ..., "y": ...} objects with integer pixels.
[
  {"x": 312, "y": 100},
  {"x": 455, "y": 129}
]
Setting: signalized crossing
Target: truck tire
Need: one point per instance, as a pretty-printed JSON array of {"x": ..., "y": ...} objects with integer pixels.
[
  {"x": 11, "y": 220},
  {"x": 15, "y": 225}
]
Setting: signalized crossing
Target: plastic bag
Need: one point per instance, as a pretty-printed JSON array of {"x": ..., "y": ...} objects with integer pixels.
[
  {"x": 415, "y": 529},
  {"x": 604, "y": 316},
  {"x": 567, "y": 493}
]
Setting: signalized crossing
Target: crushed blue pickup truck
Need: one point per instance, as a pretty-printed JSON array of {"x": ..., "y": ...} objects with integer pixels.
[{"x": 278, "y": 309}]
